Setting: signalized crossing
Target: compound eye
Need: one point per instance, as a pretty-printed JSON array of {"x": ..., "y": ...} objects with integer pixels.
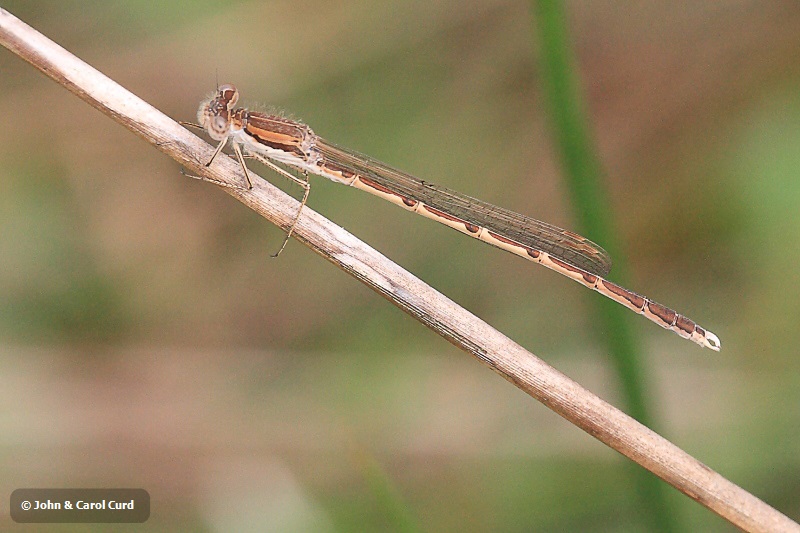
[{"x": 229, "y": 95}]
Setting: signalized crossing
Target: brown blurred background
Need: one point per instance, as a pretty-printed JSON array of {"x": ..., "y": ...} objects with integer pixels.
[{"x": 147, "y": 339}]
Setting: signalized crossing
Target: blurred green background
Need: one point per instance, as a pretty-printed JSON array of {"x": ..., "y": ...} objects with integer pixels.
[{"x": 147, "y": 339}]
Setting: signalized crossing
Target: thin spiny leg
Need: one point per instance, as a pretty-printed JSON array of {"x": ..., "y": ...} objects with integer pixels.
[
  {"x": 222, "y": 183},
  {"x": 220, "y": 146},
  {"x": 241, "y": 161},
  {"x": 215, "y": 182},
  {"x": 191, "y": 125},
  {"x": 303, "y": 183},
  {"x": 307, "y": 188}
]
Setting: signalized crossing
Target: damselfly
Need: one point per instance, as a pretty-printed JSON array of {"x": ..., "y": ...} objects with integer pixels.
[{"x": 273, "y": 140}]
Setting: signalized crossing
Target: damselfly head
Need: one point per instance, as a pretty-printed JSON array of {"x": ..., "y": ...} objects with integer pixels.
[{"x": 215, "y": 114}]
